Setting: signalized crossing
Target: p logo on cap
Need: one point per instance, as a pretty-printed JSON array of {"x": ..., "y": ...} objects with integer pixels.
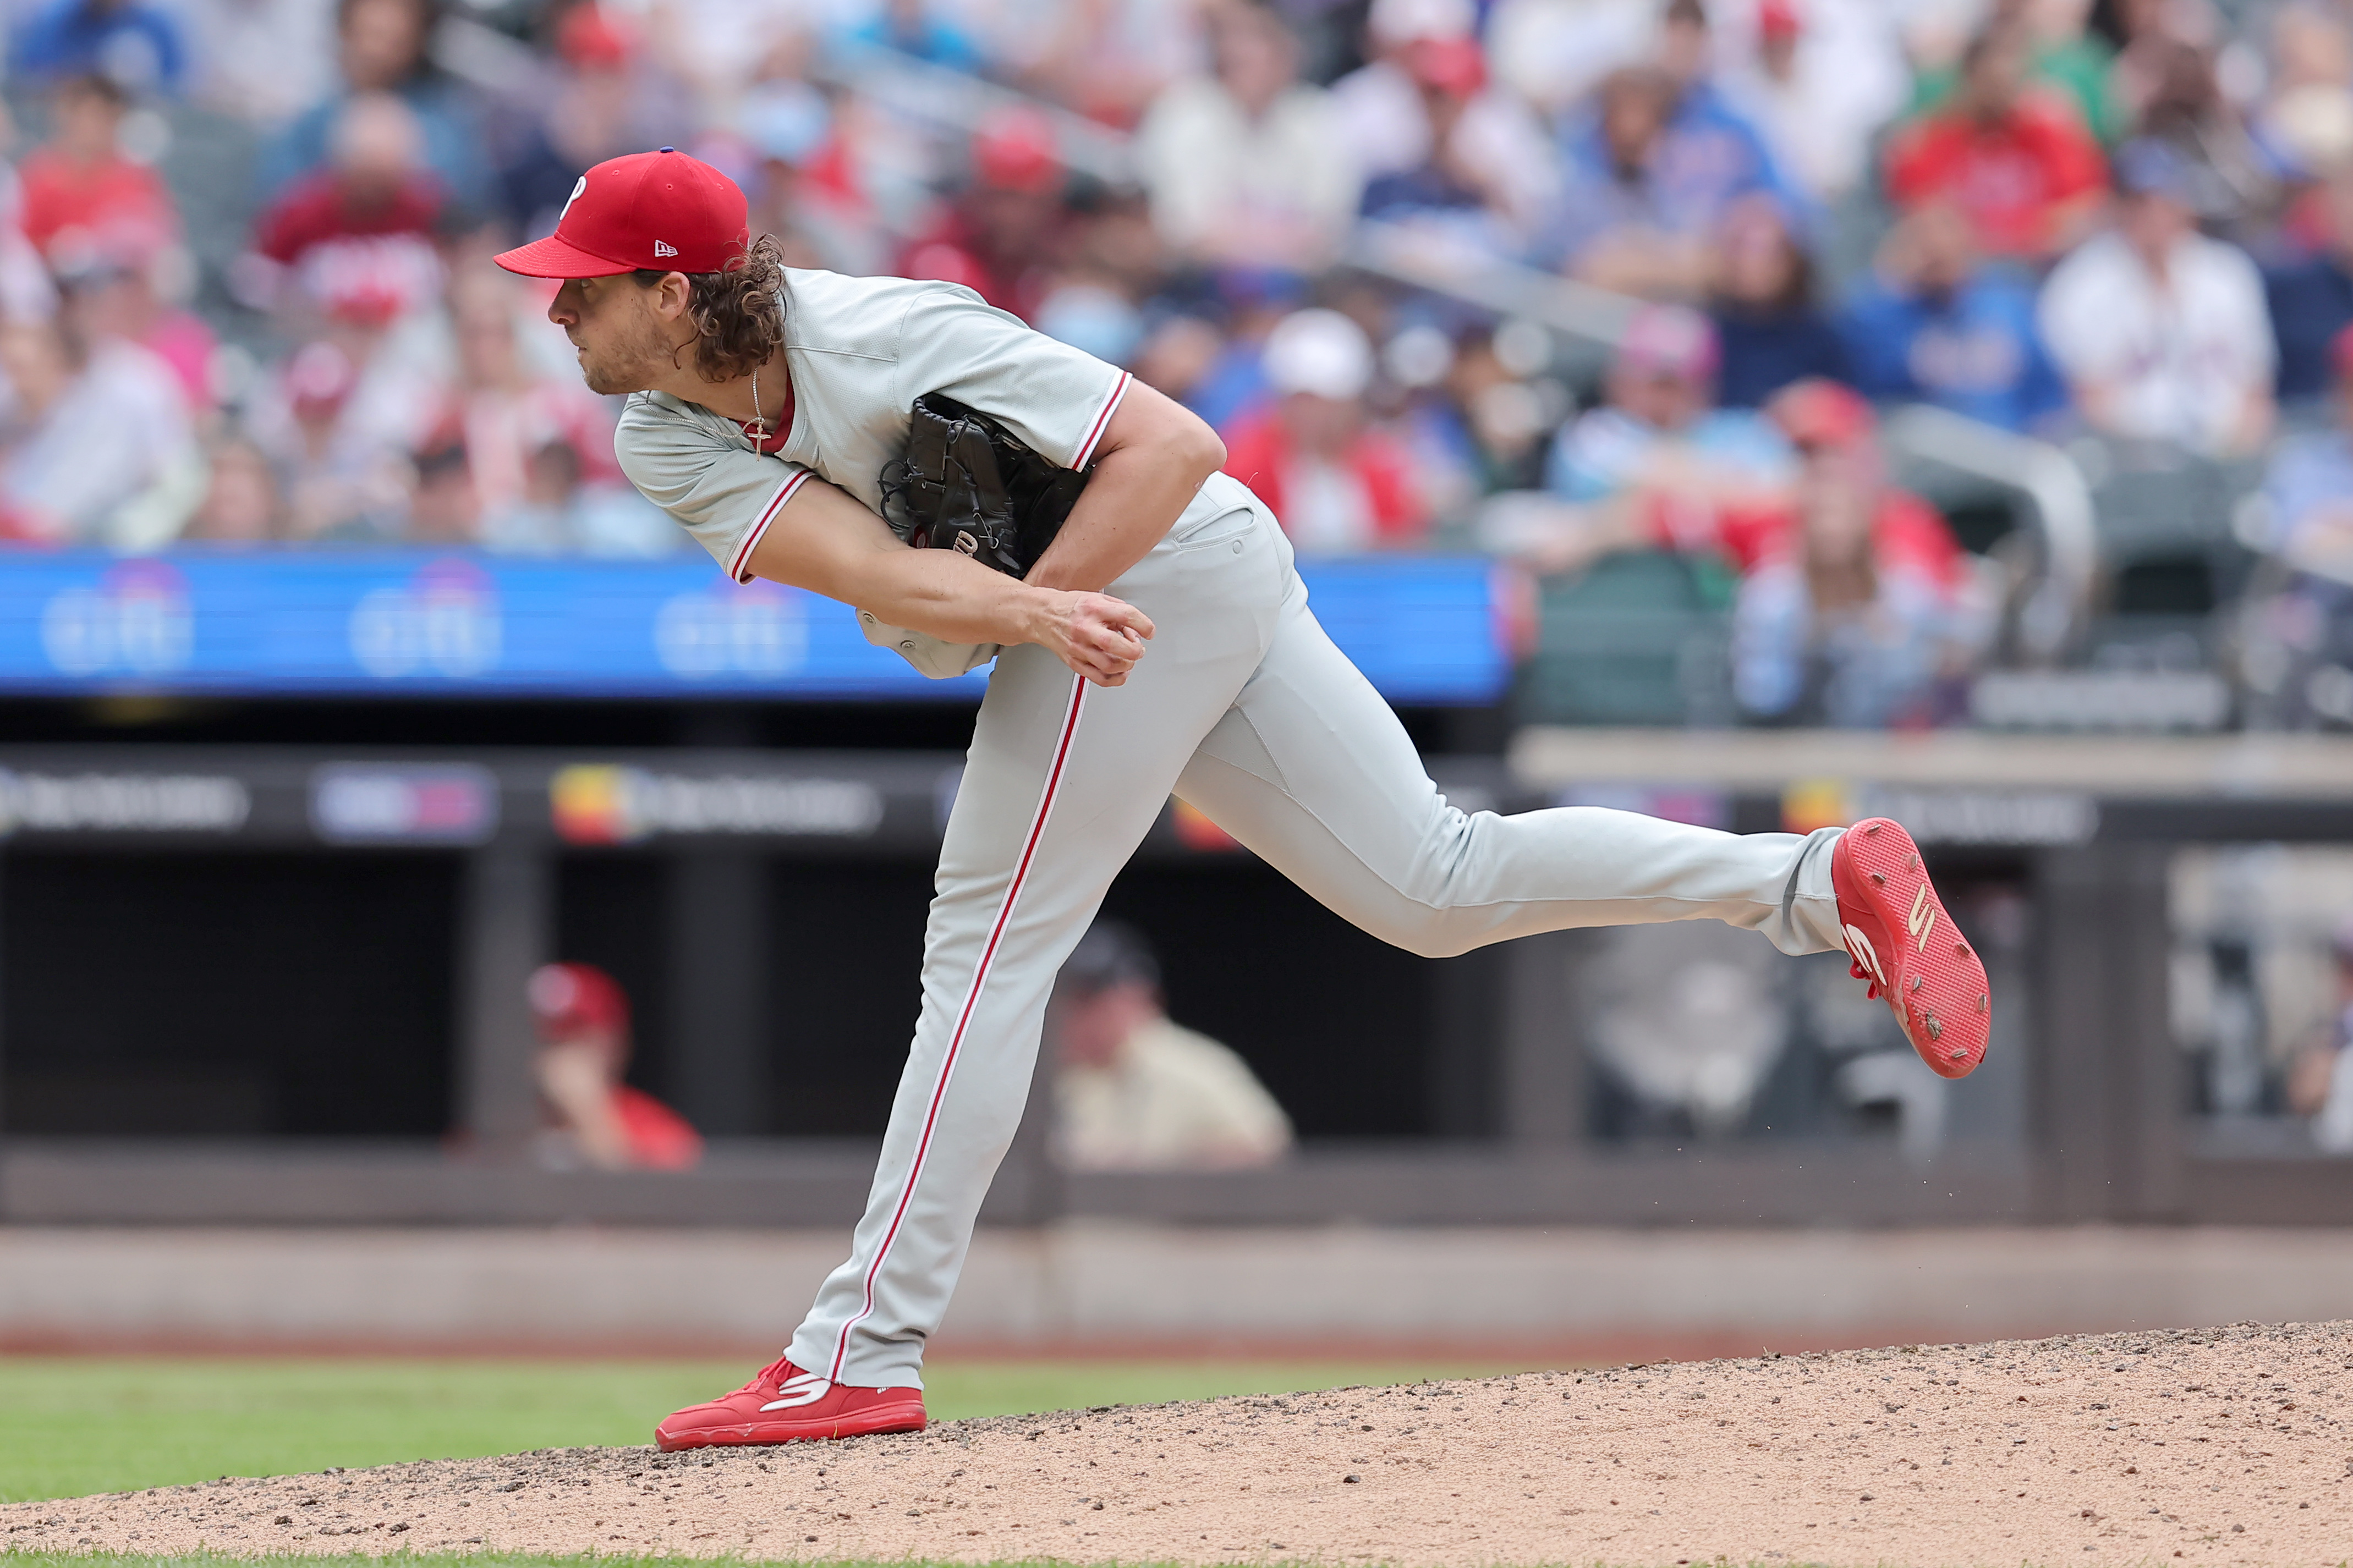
[{"x": 648, "y": 209}]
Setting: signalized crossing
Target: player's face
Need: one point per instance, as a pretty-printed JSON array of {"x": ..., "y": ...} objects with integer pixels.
[{"x": 611, "y": 323}]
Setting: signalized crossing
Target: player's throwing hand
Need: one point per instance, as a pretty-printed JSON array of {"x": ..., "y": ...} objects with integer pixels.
[{"x": 1097, "y": 636}]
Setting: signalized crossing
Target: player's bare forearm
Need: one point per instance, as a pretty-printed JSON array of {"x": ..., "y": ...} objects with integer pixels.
[
  {"x": 827, "y": 541},
  {"x": 1155, "y": 454}
]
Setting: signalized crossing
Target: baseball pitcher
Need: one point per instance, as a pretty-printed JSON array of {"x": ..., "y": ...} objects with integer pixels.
[{"x": 977, "y": 491}]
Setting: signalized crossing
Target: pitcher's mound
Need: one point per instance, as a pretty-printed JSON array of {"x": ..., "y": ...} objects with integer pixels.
[{"x": 2218, "y": 1445}]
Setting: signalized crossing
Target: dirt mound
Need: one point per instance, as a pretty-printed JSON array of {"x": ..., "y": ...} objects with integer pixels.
[{"x": 2222, "y": 1446}]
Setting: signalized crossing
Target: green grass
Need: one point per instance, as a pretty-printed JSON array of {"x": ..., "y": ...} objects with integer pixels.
[{"x": 70, "y": 1426}]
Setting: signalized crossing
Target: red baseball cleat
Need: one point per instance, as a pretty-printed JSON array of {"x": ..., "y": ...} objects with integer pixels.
[
  {"x": 782, "y": 1403},
  {"x": 1904, "y": 942}
]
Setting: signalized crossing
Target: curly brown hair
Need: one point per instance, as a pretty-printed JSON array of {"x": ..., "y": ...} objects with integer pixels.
[{"x": 739, "y": 311}]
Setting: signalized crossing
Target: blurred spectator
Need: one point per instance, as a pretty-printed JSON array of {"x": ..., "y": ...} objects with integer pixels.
[
  {"x": 1111, "y": 242},
  {"x": 1423, "y": 103},
  {"x": 27, "y": 292},
  {"x": 445, "y": 505},
  {"x": 2307, "y": 627},
  {"x": 2310, "y": 299},
  {"x": 1660, "y": 429},
  {"x": 1653, "y": 168},
  {"x": 805, "y": 188},
  {"x": 96, "y": 447},
  {"x": 131, "y": 44},
  {"x": 1087, "y": 309},
  {"x": 537, "y": 475},
  {"x": 2062, "y": 54},
  {"x": 1656, "y": 467},
  {"x": 503, "y": 413},
  {"x": 107, "y": 299},
  {"x": 82, "y": 197},
  {"x": 2225, "y": 176},
  {"x": 2015, "y": 158},
  {"x": 1476, "y": 427},
  {"x": 1933, "y": 323},
  {"x": 2160, "y": 332},
  {"x": 1379, "y": 102},
  {"x": 1254, "y": 300},
  {"x": 2304, "y": 123},
  {"x": 1616, "y": 226},
  {"x": 1136, "y": 1091},
  {"x": 596, "y": 1118},
  {"x": 381, "y": 48},
  {"x": 2320, "y": 1082},
  {"x": 1854, "y": 612},
  {"x": 338, "y": 441},
  {"x": 355, "y": 237},
  {"x": 1820, "y": 93},
  {"x": 1713, "y": 154},
  {"x": 1554, "y": 53},
  {"x": 916, "y": 28},
  {"x": 1107, "y": 60},
  {"x": 1339, "y": 485},
  {"x": 1450, "y": 193},
  {"x": 241, "y": 504},
  {"x": 1770, "y": 329},
  {"x": 602, "y": 107},
  {"x": 1178, "y": 356},
  {"x": 2310, "y": 484},
  {"x": 262, "y": 61},
  {"x": 2146, "y": 35},
  {"x": 1000, "y": 233},
  {"x": 1250, "y": 166}
]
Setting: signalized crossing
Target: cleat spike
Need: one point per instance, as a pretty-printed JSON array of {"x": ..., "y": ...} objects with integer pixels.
[
  {"x": 1870, "y": 830},
  {"x": 1984, "y": 1002},
  {"x": 1935, "y": 1030},
  {"x": 1913, "y": 864},
  {"x": 1879, "y": 877},
  {"x": 1963, "y": 949}
]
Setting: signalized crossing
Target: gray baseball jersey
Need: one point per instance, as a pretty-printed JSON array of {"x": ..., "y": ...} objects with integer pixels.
[
  {"x": 1242, "y": 707},
  {"x": 861, "y": 350}
]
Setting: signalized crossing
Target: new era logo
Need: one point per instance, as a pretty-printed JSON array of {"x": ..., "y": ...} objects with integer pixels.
[{"x": 661, "y": 249}]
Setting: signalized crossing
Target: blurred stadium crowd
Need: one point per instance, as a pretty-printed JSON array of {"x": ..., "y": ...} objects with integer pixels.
[{"x": 245, "y": 296}]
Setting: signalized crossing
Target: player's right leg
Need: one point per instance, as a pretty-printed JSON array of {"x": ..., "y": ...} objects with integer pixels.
[
  {"x": 1312, "y": 772},
  {"x": 1061, "y": 782}
]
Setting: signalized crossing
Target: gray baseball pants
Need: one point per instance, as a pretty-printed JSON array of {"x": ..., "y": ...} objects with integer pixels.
[{"x": 1244, "y": 709}]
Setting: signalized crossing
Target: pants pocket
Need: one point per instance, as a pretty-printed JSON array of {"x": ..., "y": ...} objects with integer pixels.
[{"x": 1221, "y": 528}]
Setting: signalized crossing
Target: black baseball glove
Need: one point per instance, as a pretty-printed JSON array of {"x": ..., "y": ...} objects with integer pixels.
[{"x": 968, "y": 484}]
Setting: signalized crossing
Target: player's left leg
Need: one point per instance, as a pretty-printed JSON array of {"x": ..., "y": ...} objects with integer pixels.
[{"x": 1312, "y": 772}]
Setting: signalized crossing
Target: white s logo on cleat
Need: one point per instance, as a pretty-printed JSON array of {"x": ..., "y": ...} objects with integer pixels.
[
  {"x": 1865, "y": 954},
  {"x": 806, "y": 1388},
  {"x": 1923, "y": 918}
]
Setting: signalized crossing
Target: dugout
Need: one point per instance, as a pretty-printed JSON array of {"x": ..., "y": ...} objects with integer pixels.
[{"x": 260, "y": 983}]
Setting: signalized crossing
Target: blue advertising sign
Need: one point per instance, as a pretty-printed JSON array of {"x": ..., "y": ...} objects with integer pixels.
[{"x": 411, "y": 623}]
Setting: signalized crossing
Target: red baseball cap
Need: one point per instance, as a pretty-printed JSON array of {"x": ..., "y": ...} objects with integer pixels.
[
  {"x": 1818, "y": 412},
  {"x": 1015, "y": 150},
  {"x": 661, "y": 209},
  {"x": 1452, "y": 66},
  {"x": 568, "y": 999}
]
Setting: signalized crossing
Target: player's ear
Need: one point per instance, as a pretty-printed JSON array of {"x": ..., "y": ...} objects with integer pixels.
[{"x": 673, "y": 297}]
